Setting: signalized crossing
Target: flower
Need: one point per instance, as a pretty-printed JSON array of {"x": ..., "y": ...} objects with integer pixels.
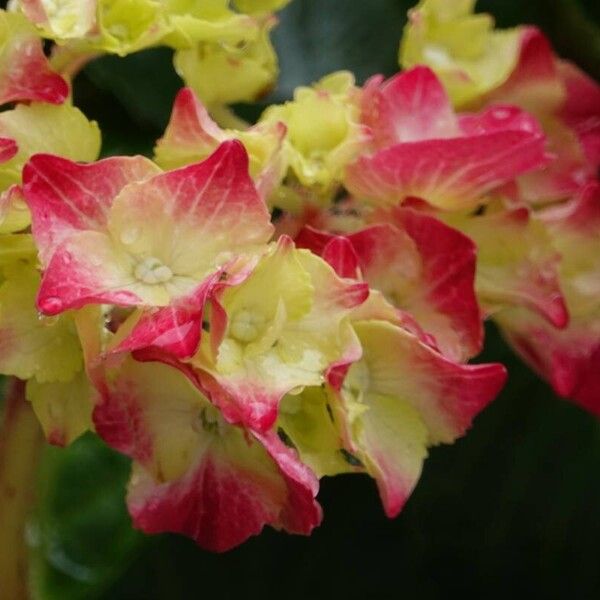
[
  {"x": 464, "y": 49},
  {"x": 421, "y": 149},
  {"x": 193, "y": 472},
  {"x": 192, "y": 135},
  {"x": 323, "y": 130},
  {"x": 422, "y": 267},
  {"x": 121, "y": 232}
]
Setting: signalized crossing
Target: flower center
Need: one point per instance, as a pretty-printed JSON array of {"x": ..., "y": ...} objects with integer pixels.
[
  {"x": 152, "y": 271},
  {"x": 247, "y": 325}
]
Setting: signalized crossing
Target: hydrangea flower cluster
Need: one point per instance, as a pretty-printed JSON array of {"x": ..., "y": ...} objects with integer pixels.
[{"x": 253, "y": 309}]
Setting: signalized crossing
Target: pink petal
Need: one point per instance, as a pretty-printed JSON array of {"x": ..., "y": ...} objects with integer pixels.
[
  {"x": 569, "y": 359},
  {"x": 580, "y": 216},
  {"x": 414, "y": 398},
  {"x": 175, "y": 329},
  {"x": 517, "y": 264},
  {"x": 28, "y": 76},
  {"x": 223, "y": 501},
  {"x": 216, "y": 194},
  {"x": 451, "y": 173},
  {"x": 85, "y": 269},
  {"x": 65, "y": 196},
  {"x": 410, "y": 106},
  {"x": 447, "y": 395},
  {"x": 334, "y": 249},
  {"x": 191, "y": 131},
  {"x": 497, "y": 118},
  {"x": 581, "y": 110},
  {"x": 534, "y": 80},
  {"x": 447, "y": 284},
  {"x": 216, "y": 485},
  {"x": 245, "y": 402},
  {"x": 422, "y": 266},
  {"x": 8, "y": 149},
  {"x": 251, "y": 396},
  {"x": 302, "y": 513}
]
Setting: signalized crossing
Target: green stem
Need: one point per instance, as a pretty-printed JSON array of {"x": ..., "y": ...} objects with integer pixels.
[{"x": 20, "y": 444}]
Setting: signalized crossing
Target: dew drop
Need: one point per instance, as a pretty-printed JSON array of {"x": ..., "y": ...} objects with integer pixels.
[
  {"x": 95, "y": 260},
  {"x": 501, "y": 113},
  {"x": 50, "y": 305},
  {"x": 129, "y": 236}
]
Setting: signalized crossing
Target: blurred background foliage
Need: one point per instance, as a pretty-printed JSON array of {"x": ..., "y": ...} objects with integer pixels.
[{"x": 513, "y": 507}]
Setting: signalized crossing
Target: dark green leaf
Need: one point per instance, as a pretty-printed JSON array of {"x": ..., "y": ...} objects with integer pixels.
[{"x": 82, "y": 537}]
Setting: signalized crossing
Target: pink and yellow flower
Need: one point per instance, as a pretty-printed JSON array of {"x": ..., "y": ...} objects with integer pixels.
[{"x": 121, "y": 232}]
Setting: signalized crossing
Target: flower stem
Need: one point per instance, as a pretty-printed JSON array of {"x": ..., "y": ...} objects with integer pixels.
[{"x": 20, "y": 444}]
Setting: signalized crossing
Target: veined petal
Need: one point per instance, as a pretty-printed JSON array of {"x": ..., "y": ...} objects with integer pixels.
[
  {"x": 177, "y": 328},
  {"x": 410, "y": 106},
  {"x": 443, "y": 299},
  {"x": 25, "y": 73},
  {"x": 208, "y": 22},
  {"x": 391, "y": 441},
  {"x": 516, "y": 263},
  {"x": 245, "y": 328},
  {"x": 401, "y": 397},
  {"x": 65, "y": 197},
  {"x": 574, "y": 228},
  {"x": 450, "y": 174},
  {"x": 422, "y": 267},
  {"x": 307, "y": 422},
  {"x": 569, "y": 359},
  {"x": 87, "y": 268},
  {"x": 157, "y": 240},
  {"x": 195, "y": 474},
  {"x": 581, "y": 111},
  {"x": 566, "y": 102},
  {"x": 268, "y": 346},
  {"x": 195, "y": 218},
  {"x": 191, "y": 134},
  {"x": 498, "y": 118},
  {"x": 469, "y": 56},
  {"x": 224, "y": 75},
  {"x": 125, "y": 26},
  {"x": 324, "y": 132},
  {"x": 534, "y": 83},
  {"x": 446, "y": 395}
]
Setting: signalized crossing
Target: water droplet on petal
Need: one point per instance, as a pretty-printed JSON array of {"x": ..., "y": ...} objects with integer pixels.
[
  {"x": 50, "y": 305},
  {"x": 129, "y": 236}
]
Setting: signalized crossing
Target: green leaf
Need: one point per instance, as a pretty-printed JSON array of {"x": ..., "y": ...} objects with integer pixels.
[
  {"x": 315, "y": 38},
  {"x": 145, "y": 83},
  {"x": 81, "y": 535}
]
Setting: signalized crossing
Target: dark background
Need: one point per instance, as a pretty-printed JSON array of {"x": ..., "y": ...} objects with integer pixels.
[{"x": 512, "y": 508}]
